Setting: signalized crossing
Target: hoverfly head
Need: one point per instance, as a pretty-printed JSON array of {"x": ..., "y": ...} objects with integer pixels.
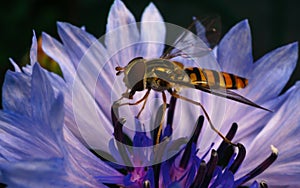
[{"x": 134, "y": 74}]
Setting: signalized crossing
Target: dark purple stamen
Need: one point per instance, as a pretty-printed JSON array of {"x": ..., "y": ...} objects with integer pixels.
[
  {"x": 155, "y": 132},
  {"x": 211, "y": 165},
  {"x": 225, "y": 150},
  {"x": 188, "y": 149},
  {"x": 260, "y": 168},
  {"x": 118, "y": 134},
  {"x": 231, "y": 133},
  {"x": 200, "y": 175},
  {"x": 169, "y": 128},
  {"x": 114, "y": 114},
  {"x": 239, "y": 159}
]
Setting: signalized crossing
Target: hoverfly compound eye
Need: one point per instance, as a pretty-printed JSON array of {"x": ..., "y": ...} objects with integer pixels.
[{"x": 134, "y": 74}]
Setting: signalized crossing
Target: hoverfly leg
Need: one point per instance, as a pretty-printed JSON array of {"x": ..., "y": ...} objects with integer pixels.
[
  {"x": 174, "y": 94},
  {"x": 144, "y": 98},
  {"x": 163, "y": 116}
]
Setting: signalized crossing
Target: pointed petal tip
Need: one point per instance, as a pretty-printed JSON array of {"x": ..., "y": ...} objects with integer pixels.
[
  {"x": 117, "y": 4},
  {"x": 152, "y": 10},
  {"x": 15, "y": 65},
  {"x": 36, "y": 69},
  {"x": 244, "y": 24},
  {"x": 293, "y": 45},
  {"x": 151, "y": 6}
]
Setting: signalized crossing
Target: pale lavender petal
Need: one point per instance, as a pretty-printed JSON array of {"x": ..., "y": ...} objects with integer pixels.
[
  {"x": 75, "y": 40},
  {"x": 122, "y": 35},
  {"x": 57, "y": 52},
  {"x": 153, "y": 33}
]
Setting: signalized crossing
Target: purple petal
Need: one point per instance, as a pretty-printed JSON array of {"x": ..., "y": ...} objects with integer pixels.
[
  {"x": 122, "y": 35},
  {"x": 275, "y": 69},
  {"x": 282, "y": 131},
  {"x": 153, "y": 33},
  {"x": 235, "y": 50},
  {"x": 16, "y": 67},
  {"x": 33, "y": 50},
  {"x": 58, "y": 53},
  {"x": 16, "y": 89},
  {"x": 42, "y": 95},
  {"x": 75, "y": 40}
]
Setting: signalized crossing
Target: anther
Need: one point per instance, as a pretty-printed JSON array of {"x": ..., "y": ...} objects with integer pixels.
[
  {"x": 239, "y": 159},
  {"x": 146, "y": 184},
  {"x": 200, "y": 175},
  {"x": 260, "y": 168},
  {"x": 211, "y": 165}
]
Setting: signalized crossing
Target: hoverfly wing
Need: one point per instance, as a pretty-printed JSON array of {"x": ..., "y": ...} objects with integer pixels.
[
  {"x": 208, "y": 30},
  {"x": 228, "y": 94},
  {"x": 188, "y": 44}
]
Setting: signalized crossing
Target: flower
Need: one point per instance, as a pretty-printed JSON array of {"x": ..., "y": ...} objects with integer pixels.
[{"x": 48, "y": 122}]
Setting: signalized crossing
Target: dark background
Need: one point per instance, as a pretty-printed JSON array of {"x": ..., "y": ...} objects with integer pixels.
[{"x": 274, "y": 22}]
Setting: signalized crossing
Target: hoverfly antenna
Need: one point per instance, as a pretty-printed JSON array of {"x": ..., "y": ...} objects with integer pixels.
[{"x": 119, "y": 70}]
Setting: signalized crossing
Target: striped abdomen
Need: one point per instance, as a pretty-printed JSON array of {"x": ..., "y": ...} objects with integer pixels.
[{"x": 211, "y": 78}]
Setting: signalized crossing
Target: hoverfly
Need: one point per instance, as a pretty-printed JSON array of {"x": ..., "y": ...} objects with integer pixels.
[{"x": 166, "y": 75}]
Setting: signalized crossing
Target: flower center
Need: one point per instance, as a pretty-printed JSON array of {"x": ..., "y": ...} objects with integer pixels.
[{"x": 185, "y": 169}]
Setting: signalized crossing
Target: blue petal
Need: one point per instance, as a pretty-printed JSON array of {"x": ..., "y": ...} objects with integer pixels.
[
  {"x": 23, "y": 139},
  {"x": 275, "y": 69},
  {"x": 282, "y": 131},
  {"x": 42, "y": 95},
  {"x": 122, "y": 35},
  {"x": 33, "y": 50},
  {"x": 41, "y": 173},
  {"x": 16, "y": 67},
  {"x": 16, "y": 89},
  {"x": 153, "y": 33},
  {"x": 235, "y": 50},
  {"x": 76, "y": 41},
  {"x": 58, "y": 53}
]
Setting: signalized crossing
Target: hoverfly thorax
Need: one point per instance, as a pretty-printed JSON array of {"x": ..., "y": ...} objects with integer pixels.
[{"x": 134, "y": 76}]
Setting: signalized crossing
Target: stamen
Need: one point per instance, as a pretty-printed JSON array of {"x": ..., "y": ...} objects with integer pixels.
[
  {"x": 226, "y": 150},
  {"x": 231, "y": 133},
  {"x": 155, "y": 133},
  {"x": 156, "y": 170},
  {"x": 188, "y": 149},
  {"x": 169, "y": 128},
  {"x": 211, "y": 165},
  {"x": 146, "y": 184},
  {"x": 200, "y": 175},
  {"x": 239, "y": 159},
  {"x": 114, "y": 113},
  {"x": 263, "y": 184},
  {"x": 260, "y": 168},
  {"x": 199, "y": 125},
  {"x": 119, "y": 136}
]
